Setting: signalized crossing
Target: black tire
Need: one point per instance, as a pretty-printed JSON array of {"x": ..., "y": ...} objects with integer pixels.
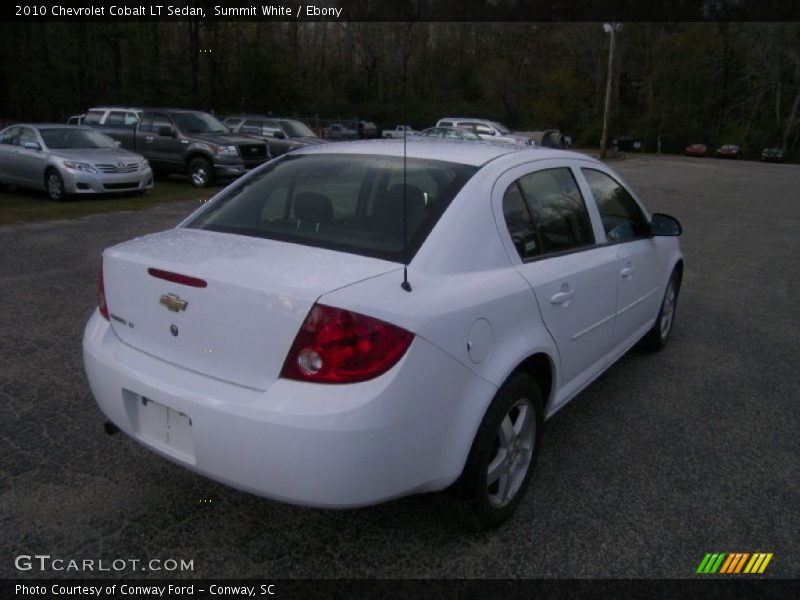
[
  {"x": 54, "y": 185},
  {"x": 474, "y": 498},
  {"x": 657, "y": 338},
  {"x": 201, "y": 172}
]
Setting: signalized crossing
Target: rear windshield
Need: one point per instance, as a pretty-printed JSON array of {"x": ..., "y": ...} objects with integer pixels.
[{"x": 350, "y": 203}]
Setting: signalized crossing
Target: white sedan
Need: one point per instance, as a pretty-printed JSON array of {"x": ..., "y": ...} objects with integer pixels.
[{"x": 300, "y": 339}]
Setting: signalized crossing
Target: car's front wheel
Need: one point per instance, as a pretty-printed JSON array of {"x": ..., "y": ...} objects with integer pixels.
[
  {"x": 502, "y": 456},
  {"x": 201, "y": 172},
  {"x": 55, "y": 185}
]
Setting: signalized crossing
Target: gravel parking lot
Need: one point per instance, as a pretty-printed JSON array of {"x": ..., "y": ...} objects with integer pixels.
[{"x": 665, "y": 458}]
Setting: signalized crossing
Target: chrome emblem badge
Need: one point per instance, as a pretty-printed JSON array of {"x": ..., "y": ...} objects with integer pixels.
[
  {"x": 173, "y": 302},
  {"x": 121, "y": 164}
]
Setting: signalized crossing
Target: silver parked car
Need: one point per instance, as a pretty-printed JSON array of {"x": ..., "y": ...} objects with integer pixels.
[{"x": 69, "y": 159}]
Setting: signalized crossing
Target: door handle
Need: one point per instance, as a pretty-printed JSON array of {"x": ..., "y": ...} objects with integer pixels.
[
  {"x": 627, "y": 271},
  {"x": 562, "y": 297},
  {"x": 149, "y": 139}
]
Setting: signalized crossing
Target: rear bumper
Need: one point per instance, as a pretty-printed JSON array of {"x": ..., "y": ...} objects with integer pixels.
[{"x": 334, "y": 446}]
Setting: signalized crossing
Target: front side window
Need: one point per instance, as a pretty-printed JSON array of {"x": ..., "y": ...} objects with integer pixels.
[
  {"x": 146, "y": 125},
  {"x": 349, "y": 203},
  {"x": 198, "y": 122},
  {"x": 27, "y": 136},
  {"x": 557, "y": 219},
  {"x": 160, "y": 120},
  {"x": 622, "y": 218}
]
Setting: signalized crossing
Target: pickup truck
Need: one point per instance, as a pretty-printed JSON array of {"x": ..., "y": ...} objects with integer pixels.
[
  {"x": 190, "y": 142},
  {"x": 398, "y": 132}
]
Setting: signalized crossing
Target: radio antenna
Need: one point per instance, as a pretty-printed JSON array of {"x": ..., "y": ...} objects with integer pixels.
[{"x": 405, "y": 285}]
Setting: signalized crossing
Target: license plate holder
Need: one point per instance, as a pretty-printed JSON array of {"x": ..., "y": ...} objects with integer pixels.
[{"x": 166, "y": 428}]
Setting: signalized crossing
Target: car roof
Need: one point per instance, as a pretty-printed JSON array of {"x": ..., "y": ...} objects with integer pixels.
[{"x": 465, "y": 152}]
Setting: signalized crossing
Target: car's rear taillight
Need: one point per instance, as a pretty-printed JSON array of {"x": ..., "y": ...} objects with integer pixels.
[
  {"x": 101, "y": 293},
  {"x": 340, "y": 346}
]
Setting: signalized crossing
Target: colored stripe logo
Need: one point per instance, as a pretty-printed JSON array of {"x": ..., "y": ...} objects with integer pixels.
[{"x": 733, "y": 563}]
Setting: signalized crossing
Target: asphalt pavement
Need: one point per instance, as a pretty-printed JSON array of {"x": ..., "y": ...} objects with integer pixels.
[{"x": 666, "y": 457}]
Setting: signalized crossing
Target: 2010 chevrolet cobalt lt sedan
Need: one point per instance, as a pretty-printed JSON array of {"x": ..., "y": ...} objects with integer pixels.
[{"x": 360, "y": 321}]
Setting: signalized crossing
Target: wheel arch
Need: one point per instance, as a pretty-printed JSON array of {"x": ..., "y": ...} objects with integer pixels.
[
  {"x": 197, "y": 153},
  {"x": 541, "y": 367}
]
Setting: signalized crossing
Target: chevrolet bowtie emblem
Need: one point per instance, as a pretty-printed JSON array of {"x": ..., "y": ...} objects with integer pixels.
[{"x": 173, "y": 302}]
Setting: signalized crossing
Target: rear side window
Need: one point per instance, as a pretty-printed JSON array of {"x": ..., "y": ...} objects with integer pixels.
[
  {"x": 622, "y": 218},
  {"x": 10, "y": 136},
  {"x": 545, "y": 213},
  {"x": 350, "y": 203},
  {"x": 115, "y": 117}
]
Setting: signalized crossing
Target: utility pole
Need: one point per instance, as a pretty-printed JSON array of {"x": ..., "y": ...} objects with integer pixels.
[{"x": 609, "y": 28}]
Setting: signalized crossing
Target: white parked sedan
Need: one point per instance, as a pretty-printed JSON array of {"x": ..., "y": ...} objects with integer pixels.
[
  {"x": 69, "y": 159},
  {"x": 273, "y": 341}
]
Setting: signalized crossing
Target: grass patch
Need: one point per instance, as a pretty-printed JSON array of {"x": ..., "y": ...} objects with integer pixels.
[{"x": 23, "y": 206}]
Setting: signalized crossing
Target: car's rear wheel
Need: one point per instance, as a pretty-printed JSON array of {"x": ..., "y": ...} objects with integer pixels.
[
  {"x": 657, "y": 337},
  {"x": 201, "y": 172},
  {"x": 54, "y": 185},
  {"x": 502, "y": 456}
]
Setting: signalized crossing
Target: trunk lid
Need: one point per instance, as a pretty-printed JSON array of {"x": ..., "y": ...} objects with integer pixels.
[{"x": 240, "y": 326}]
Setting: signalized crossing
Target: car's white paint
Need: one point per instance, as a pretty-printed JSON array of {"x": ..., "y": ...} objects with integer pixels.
[{"x": 477, "y": 312}]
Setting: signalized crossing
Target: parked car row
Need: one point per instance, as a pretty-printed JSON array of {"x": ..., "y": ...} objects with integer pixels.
[{"x": 732, "y": 151}]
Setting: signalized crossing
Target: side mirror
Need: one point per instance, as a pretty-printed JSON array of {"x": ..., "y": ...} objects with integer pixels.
[
  {"x": 32, "y": 146},
  {"x": 166, "y": 131},
  {"x": 664, "y": 225}
]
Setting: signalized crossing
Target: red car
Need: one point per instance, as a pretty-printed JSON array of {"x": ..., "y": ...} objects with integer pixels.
[
  {"x": 728, "y": 151},
  {"x": 696, "y": 150}
]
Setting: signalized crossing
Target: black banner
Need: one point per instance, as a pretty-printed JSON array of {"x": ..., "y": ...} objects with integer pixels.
[
  {"x": 283, "y": 589},
  {"x": 408, "y": 10}
]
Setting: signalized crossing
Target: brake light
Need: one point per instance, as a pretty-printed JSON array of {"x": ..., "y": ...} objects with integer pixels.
[
  {"x": 101, "y": 293},
  {"x": 177, "y": 278},
  {"x": 341, "y": 346}
]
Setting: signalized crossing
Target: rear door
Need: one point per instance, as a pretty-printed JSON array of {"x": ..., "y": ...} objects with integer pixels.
[
  {"x": 553, "y": 241},
  {"x": 27, "y": 165},
  {"x": 8, "y": 147}
]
